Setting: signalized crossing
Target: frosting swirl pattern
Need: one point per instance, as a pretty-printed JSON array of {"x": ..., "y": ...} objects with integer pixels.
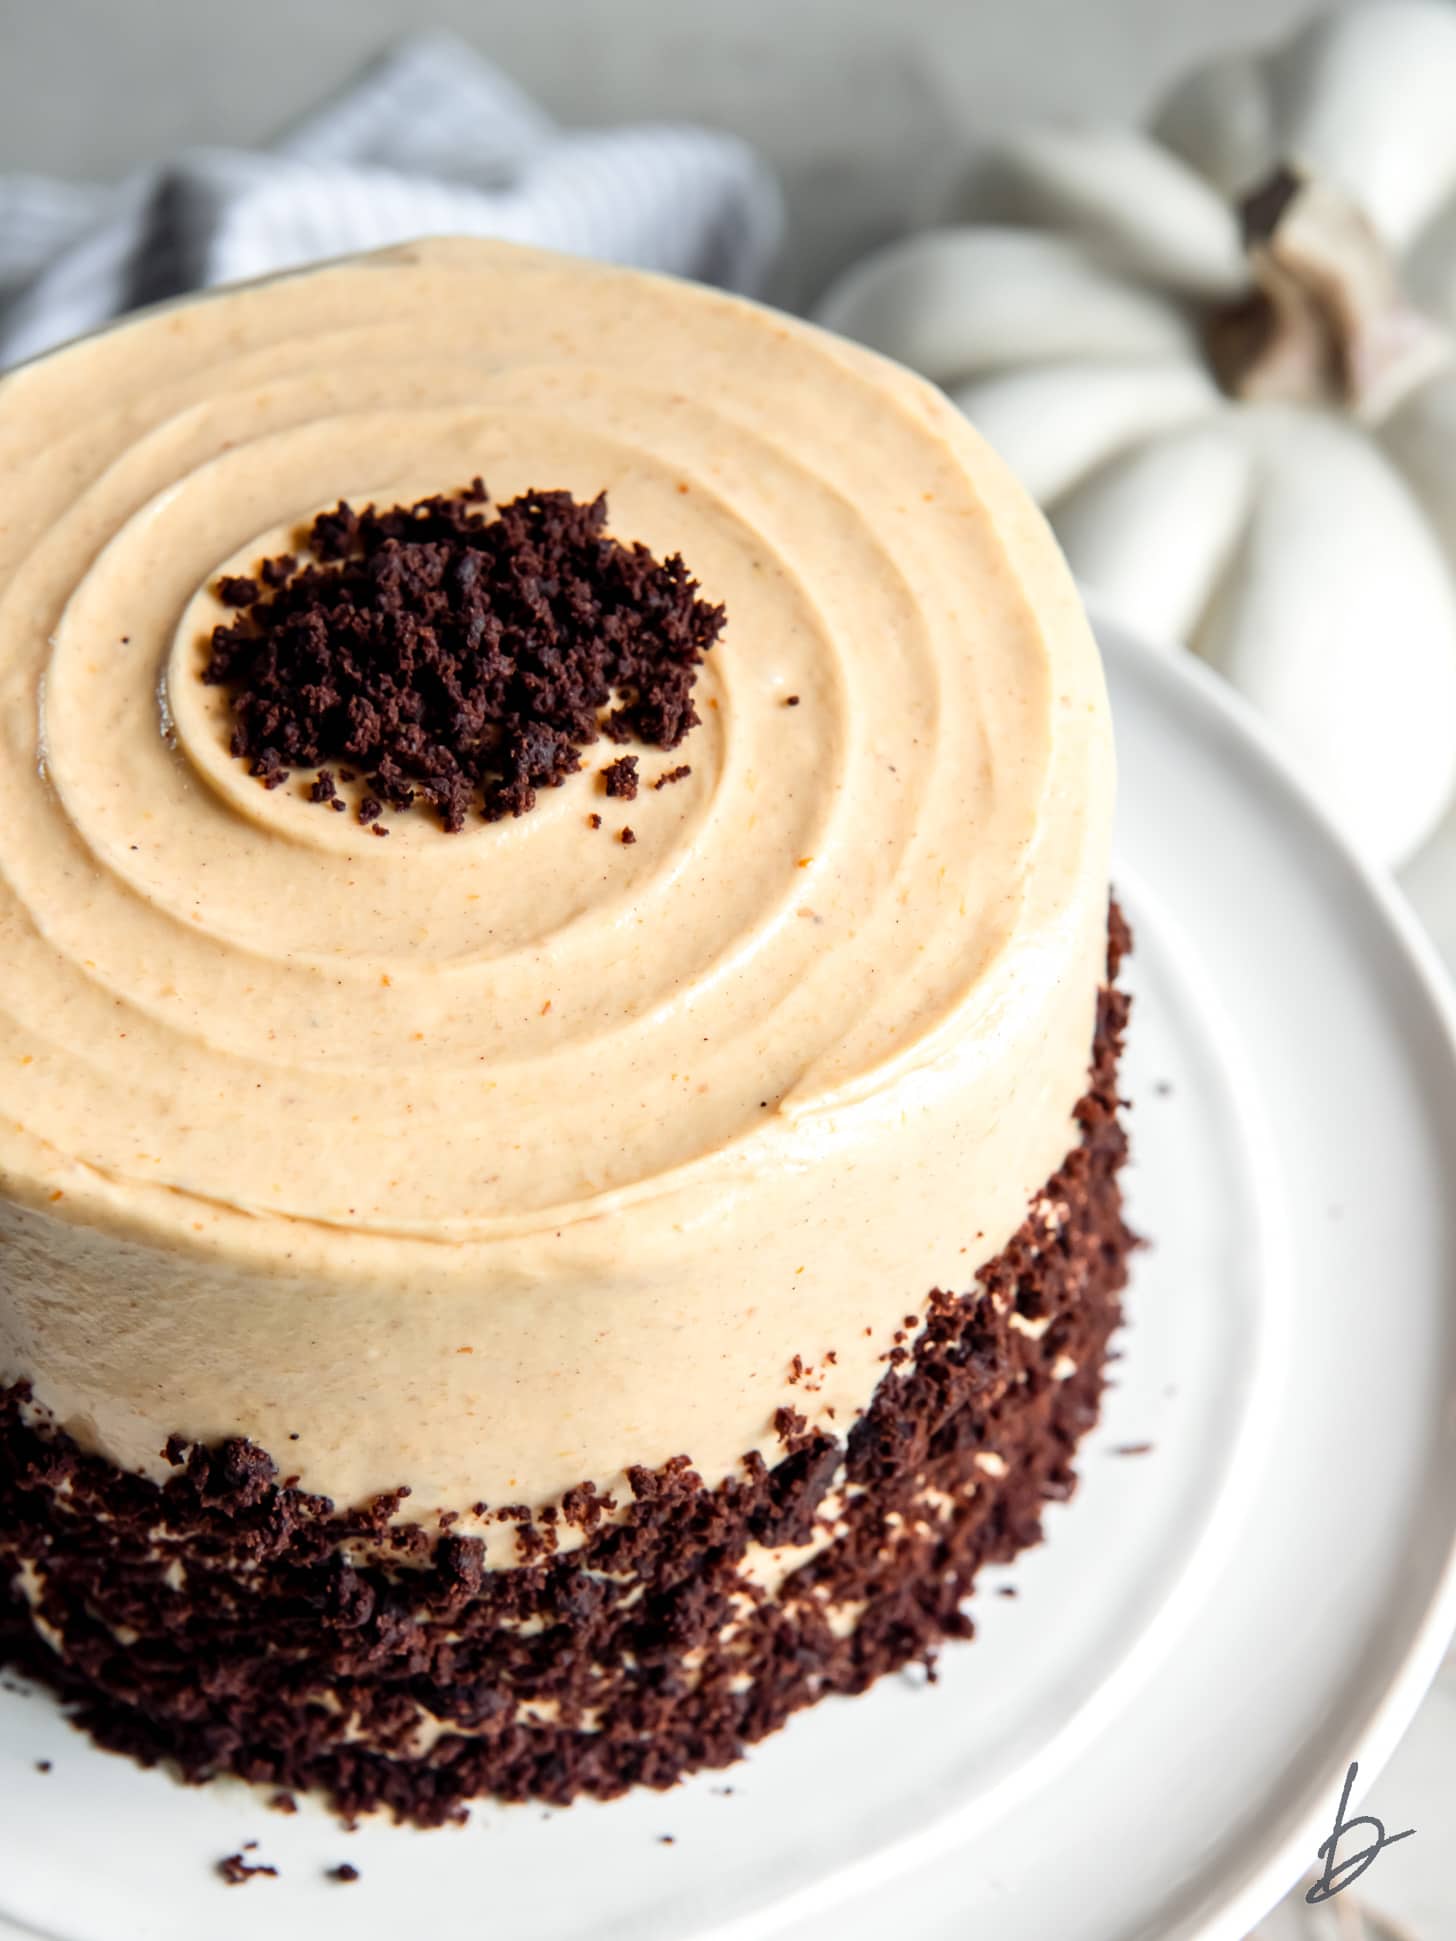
[{"x": 497, "y": 1161}]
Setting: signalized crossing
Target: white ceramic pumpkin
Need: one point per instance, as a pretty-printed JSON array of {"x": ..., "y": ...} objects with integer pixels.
[{"x": 1221, "y": 355}]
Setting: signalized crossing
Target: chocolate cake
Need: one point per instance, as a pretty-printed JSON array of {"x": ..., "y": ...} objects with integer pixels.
[{"x": 498, "y": 1310}]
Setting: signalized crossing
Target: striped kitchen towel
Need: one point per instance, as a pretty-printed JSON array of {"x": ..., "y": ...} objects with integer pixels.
[{"x": 432, "y": 141}]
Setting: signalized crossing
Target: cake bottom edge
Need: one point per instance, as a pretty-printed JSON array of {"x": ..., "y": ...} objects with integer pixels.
[{"x": 223, "y": 1622}]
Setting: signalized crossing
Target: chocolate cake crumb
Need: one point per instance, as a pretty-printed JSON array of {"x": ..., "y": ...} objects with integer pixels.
[
  {"x": 345, "y": 1872},
  {"x": 628, "y": 836},
  {"x": 43, "y": 1765},
  {"x": 619, "y": 778},
  {"x": 584, "y": 1507},
  {"x": 678, "y": 774},
  {"x": 791, "y": 700},
  {"x": 792, "y": 1430},
  {"x": 457, "y": 659},
  {"x": 237, "y": 1872},
  {"x": 283, "y": 1803},
  {"x": 593, "y": 822}
]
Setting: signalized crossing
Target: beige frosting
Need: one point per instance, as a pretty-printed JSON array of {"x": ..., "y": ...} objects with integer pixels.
[{"x": 494, "y": 1162}]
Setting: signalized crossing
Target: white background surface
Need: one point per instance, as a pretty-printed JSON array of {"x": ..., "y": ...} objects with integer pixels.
[{"x": 867, "y": 108}]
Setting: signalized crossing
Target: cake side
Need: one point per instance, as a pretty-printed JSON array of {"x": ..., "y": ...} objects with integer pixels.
[{"x": 225, "y": 1621}]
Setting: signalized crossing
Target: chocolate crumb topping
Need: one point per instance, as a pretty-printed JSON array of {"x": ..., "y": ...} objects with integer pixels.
[
  {"x": 619, "y": 778},
  {"x": 678, "y": 774},
  {"x": 629, "y": 835},
  {"x": 593, "y": 822},
  {"x": 459, "y": 659},
  {"x": 344, "y": 1872}
]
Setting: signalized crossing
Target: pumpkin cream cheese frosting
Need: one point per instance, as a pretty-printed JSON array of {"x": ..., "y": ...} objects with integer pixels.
[{"x": 559, "y": 1130}]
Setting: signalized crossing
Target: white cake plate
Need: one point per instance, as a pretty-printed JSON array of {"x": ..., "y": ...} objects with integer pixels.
[{"x": 1147, "y": 1743}]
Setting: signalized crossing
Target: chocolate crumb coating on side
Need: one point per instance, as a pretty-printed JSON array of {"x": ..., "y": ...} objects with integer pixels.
[
  {"x": 640, "y": 1656},
  {"x": 457, "y": 659}
]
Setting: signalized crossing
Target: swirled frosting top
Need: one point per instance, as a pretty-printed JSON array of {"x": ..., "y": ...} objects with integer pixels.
[{"x": 235, "y": 1026}]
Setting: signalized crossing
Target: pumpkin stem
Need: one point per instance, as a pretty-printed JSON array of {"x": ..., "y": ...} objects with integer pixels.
[{"x": 1326, "y": 321}]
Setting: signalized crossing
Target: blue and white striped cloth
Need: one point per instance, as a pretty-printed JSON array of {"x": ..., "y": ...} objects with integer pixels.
[{"x": 431, "y": 141}]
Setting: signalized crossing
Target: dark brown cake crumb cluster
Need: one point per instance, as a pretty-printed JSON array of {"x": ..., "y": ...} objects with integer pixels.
[
  {"x": 619, "y": 778},
  {"x": 457, "y": 659},
  {"x": 654, "y": 1655},
  {"x": 237, "y": 1872}
]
